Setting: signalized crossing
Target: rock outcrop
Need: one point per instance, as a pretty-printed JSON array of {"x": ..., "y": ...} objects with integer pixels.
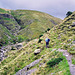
[
  {"x": 25, "y": 71},
  {"x": 5, "y": 49}
]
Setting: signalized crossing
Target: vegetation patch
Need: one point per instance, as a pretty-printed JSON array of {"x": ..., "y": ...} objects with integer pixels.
[
  {"x": 40, "y": 35},
  {"x": 53, "y": 62},
  {"x": 39, "y": 40}
]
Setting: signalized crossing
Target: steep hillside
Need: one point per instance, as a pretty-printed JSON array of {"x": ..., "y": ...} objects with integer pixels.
[
  {"x": 23, "y": 57},
  {"x": 48, "y": 61},
  {"x": 5, "y": 35},
  {"x": 63, "y": 35},
  {"x": 25, "y": 24},
  {"x": 33, "y": 23},
  {"x": 8, "y": 27}
]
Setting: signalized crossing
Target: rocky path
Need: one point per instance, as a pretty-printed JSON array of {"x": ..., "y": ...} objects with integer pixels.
[
  {"x": 26, "y": 71},
  {"x": 68, "y": 57},
  {"x": 29, "y": 72}
]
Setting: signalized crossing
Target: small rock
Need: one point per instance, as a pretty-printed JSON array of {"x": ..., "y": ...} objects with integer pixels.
[
  {"x": 73, "y": 23},
  {"x": 69, "y": 40},
  {"x": 37, "y": 51},
  {"x": 19, "y": 45},
  {"x": 69, "y": 27},
  {"x": 68, "y": 60},
  {"x": 66, "y": 55},
  {"x": 73, "y": 42},
  {"x": 60, "y": 72},
  {"x": 52, "y": 73}
]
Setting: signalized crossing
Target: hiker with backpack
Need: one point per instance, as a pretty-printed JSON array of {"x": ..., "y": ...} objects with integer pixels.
[{"x": 47, "y": 42}]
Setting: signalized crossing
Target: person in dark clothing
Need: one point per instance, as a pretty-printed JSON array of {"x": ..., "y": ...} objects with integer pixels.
[{"x": 47, "y": 42}]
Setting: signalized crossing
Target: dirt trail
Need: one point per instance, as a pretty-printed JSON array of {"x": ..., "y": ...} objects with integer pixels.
[{"x": 68, "y": 57}]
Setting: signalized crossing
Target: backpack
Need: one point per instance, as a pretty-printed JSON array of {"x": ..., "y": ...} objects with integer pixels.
[{"x": 47, "y": 40}]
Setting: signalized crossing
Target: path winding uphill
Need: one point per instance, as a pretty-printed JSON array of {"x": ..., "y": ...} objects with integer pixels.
[{"x": 68, "y": 57}]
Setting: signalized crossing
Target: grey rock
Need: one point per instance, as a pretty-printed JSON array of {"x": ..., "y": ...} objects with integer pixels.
[
  {"x": 26, "y": 70},
  {"x": 69, "y": 27},
  {"x": 29, "y": 72},
  {"x": 37, "y": 51},
  {"x": 73, "y": 23},
  {"x": 7, "y": 16},
  {"x": 19, "y": 45},
  {"x": 59, "y": 37},
  {"x": 73, "y": 42},
  {"x": 5, "y": 49}
]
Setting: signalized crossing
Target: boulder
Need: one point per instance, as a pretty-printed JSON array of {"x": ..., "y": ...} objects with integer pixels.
[
  {"x": 19, "y": 45},
  {"x": 69, "y": 27},
  {"x": 37, "y": 51}
]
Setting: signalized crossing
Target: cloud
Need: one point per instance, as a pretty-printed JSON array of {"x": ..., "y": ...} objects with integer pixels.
[{"x": 57, "y": 8}]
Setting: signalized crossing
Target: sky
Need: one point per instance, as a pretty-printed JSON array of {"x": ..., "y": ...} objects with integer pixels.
[{"x": 56, "y": 8}]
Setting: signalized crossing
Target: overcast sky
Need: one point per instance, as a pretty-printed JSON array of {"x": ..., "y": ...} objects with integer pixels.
[{"x": 57, "y": 8}]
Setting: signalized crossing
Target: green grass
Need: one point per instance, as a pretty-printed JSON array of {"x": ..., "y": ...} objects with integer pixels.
[
  {"x": 4, "y": 38},
  {"x": 59, "y": 68},
  {"x": 12, "y": 66},
  {"x": 26, "y": 23},
  {"x": 60, "y": 37},
  {"x": 3, "y": 11},
  {"x": 53, "y": 62},
  {"x": 33, "y": 23}
]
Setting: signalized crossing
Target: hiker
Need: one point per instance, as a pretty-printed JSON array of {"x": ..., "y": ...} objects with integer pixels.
[{"x": 47, "y": 42}]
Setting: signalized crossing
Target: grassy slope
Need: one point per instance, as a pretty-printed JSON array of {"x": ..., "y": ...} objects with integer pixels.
[
  {"x": 8, "y": 26},
  {"x": 62, "y": 36},
  {"x": 7, "y": 20},
  {"x": 33, "y": 23},
  {"x": 5, "y": 35},
  {"x": 12, "y": 64},
  {"x": 25, "y": 24},
  {"x": 3, "y": 11}
]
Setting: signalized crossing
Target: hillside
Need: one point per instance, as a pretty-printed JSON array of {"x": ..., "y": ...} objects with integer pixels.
[
  {"x": 24, "y": 61},
  {"x": 24, "y": 25},
  {"x": 34, "y": 23}
]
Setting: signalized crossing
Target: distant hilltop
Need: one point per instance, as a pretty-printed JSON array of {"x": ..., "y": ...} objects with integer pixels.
[{"x": 5, "y": 9}]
